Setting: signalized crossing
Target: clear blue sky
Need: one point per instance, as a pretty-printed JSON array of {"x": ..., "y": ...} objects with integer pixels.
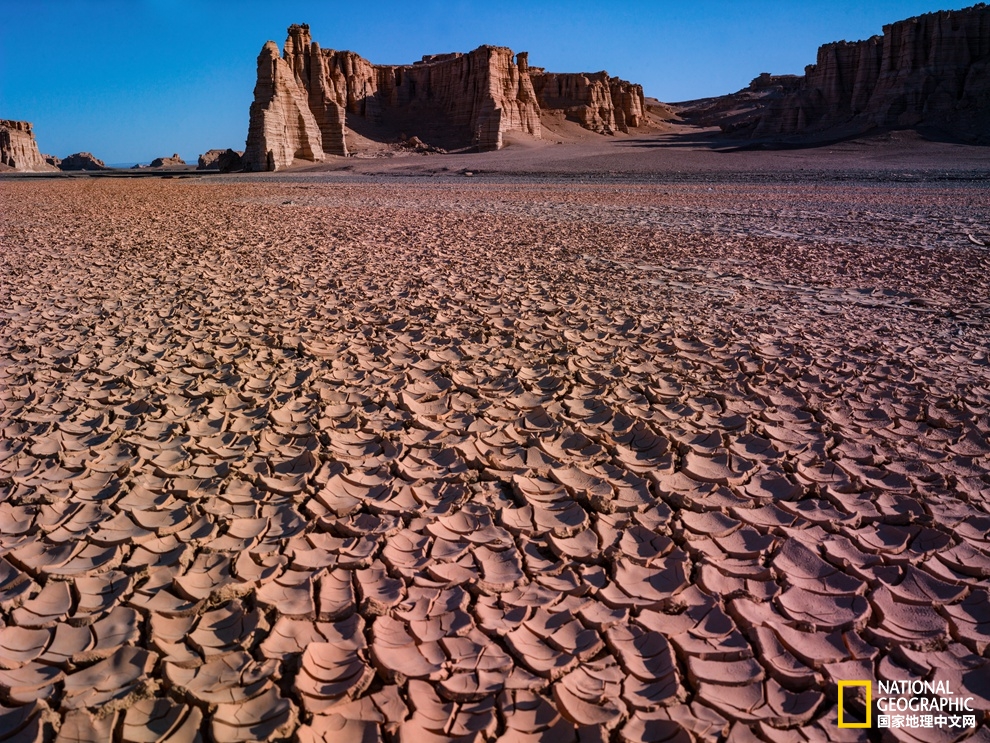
[{"x": 131, "y": 80}]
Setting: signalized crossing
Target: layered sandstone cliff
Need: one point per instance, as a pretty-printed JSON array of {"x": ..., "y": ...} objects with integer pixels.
[
  {"x": 282, "y": 127},
  {"x": 308, "y": 98},
  {"x": 596, "y": 101},
  {"x": 930, "y": 71},
  {"x": 18, "y": 148},
  {"x": 474, "y": 97}
]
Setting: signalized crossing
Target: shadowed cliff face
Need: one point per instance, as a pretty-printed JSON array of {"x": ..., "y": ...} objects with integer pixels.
[
  {"x": 306, "y": 99},
  {"x": 929, "y": 71}
]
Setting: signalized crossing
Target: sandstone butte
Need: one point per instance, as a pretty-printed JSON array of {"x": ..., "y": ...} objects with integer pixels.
[
  {"x": 18, "y": 148},
  {"x": 929, "y": 71},
  {"x": 307, "y": 99}
]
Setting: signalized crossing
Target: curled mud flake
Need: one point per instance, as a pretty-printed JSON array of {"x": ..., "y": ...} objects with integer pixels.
[
  {"x": 589, "y": 695},
  {"x": 224, "y": 630},
  {"x": 968, "y": 621},
  {"x": 336, "y": 728},
  {"x": 822, "y": 611},
  {"x": 81, "y": 725},
  {"x": 537, "y": 654},
  {"x": 268, "y": 716},
  {"x": 52, "y": 604},
  {"x": 24, "y": 722},
  {"x": 29, "y": 682},
  {"x": 529, "y": 716},
  {"x": 329, "y": 673},
  {"x": 224, "y": 679},
  {"x": 646, "y": 656},
  {"x": 153, "y": 720},
  {"x": 398, "y": 654},
  {"x": 291, "y": 592},
  {"x": 117, "y": 678},
  {"x": 654, "y": 726},
  {"x": 19, "y": 645},
  {"x": 799, "y": 565}
]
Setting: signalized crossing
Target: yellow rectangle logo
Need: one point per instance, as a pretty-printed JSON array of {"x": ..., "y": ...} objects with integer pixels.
[{"x": 869, "y": 703}]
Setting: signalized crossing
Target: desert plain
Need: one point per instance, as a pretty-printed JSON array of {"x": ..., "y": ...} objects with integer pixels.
[{"x": 639, "y": 441}]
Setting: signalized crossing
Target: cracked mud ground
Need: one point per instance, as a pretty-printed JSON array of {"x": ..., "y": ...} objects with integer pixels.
[{"x": 488, "y": 461}]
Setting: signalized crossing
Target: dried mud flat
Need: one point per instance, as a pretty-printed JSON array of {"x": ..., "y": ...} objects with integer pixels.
[{"x": 463, "y": 460}]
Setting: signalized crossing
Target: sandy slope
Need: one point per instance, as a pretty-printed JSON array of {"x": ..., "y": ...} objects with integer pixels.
[{"x": 502, "y": 457}]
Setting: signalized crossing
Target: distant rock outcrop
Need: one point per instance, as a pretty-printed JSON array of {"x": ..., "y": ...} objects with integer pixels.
[
  {"x": 306, "y": 100},
  {"x": 930, "y": 71},
  {"x": 82, "y": 161},
  {"x": 18, "y": 148},
  {"x": 209, "y": 160},
  {"x": 167, "y": 162},
  {"x": 226, "y": 161},
  {"x": 231, "y": 161}
]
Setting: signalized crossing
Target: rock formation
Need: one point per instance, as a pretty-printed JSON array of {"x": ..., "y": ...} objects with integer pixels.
[
  {"x": 596, "y": 101},
  {"x": 18, "y": 148},
  {"x": 282, "y": 127},
  {"x": 628, "y": 103},
  {"x": 82, "y": 161},
  {"x": 929, "y": 71},
  {"x": 225, "y": 161},
  {"x": 167, "y": 162},
  {"x": 209, "y": 160},
  {"x": 306, "y": 100},
  {"x": 231, "y": 161}
]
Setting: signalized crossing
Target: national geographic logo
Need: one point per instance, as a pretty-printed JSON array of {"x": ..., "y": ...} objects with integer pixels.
[
  {"x": 843, "y": 685},
  {"x": 909, "y": 704}
]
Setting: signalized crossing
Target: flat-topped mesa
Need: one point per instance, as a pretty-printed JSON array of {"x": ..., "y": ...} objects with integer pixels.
[
  {"x": 18, "y": 148},
  {"x": 932, "y": 70},
  {"x": 307, "y": 99}
]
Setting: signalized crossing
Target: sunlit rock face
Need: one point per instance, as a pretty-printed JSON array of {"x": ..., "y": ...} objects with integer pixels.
[
  {"x": 282, "y": 128},
  {"x": 305, "y": 99},
  {"x": 18, "y": 148},
  {"x": 596, "y": 101}
]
